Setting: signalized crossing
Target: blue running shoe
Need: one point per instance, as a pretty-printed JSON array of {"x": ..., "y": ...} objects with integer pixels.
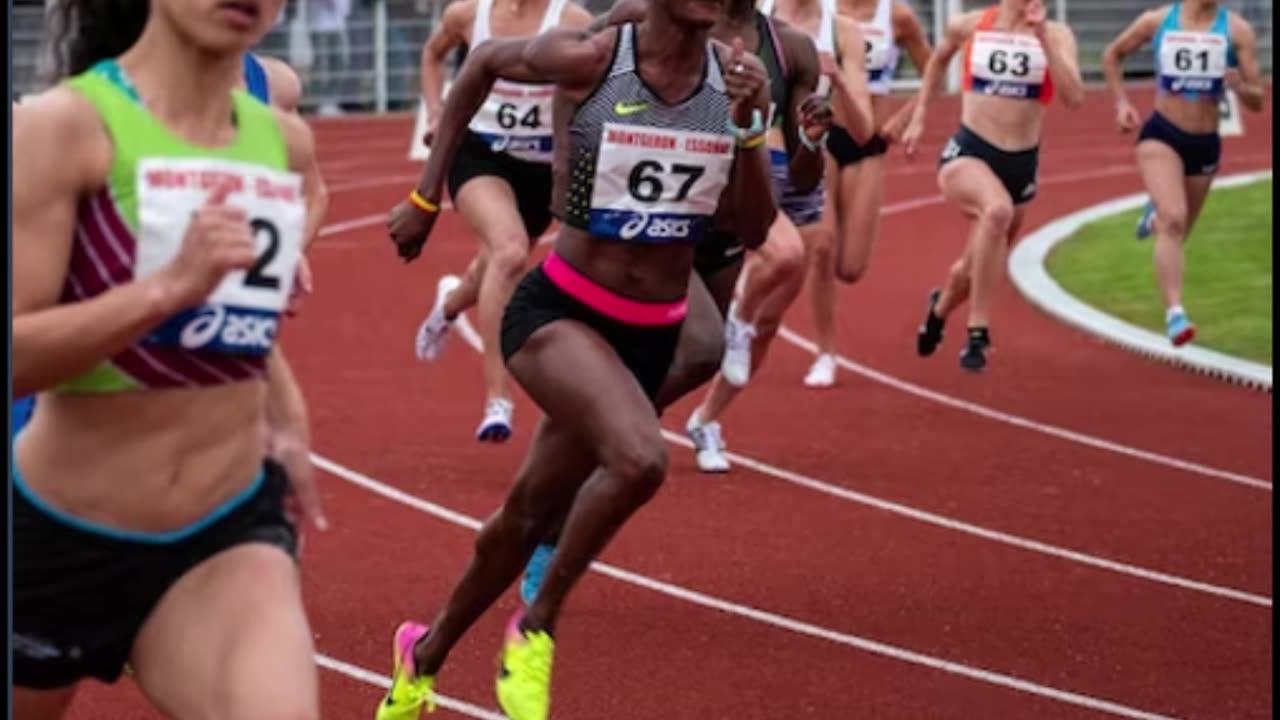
[
  {"x": 1147, "y": 223},
  {"x": 1180, "y": 330},
  {"x": 534, "y": 572}
]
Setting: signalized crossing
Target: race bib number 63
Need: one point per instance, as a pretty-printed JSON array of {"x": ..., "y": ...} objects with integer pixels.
[{"x": 242, "y": 313}]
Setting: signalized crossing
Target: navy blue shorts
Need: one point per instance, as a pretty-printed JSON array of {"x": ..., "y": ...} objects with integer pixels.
[
  {"x": 1016, "y": 170},
  {"x": 1200, "y": 152}
]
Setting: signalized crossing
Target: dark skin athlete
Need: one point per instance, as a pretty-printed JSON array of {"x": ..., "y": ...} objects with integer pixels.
[{"x": 596, "y": 412}]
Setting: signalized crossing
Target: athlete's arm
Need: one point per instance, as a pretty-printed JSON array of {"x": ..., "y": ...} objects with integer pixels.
[
  {"x": 909, "y": 34},
  {"x": 622, "y": 12},
  {"x": 53, "y": 341},
  {"x": 750, "y": 190},
  {"x": 286, "y": 95},
  {"x": 958, "y": 33},
  {"x": 851, "y": 100},
  {"x": 806, "y": 165},
  {"x": 1139, "y": 33},
  {"x": 284, "y": 85},
  {"x": 1246, "y": 82},
  {"x": 453, "y": 31},
  {"x": 1059, "y": 45},
  {"x": 567, "y": 57}
]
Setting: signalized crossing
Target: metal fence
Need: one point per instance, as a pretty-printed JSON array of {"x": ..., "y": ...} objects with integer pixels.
[{"x": 372, "y": 64}]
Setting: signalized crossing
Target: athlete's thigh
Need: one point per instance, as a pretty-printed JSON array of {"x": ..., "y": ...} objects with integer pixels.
[
  {"x": 31, "y": 704},
  {"x": 1162, "y": 175},
  {"x": 861, "y": 189},
  {"x": 489, "y": 205},
  {"x": 721, "y": 283},
  {"x": 230, "y": 640},
  {"x": 971, "y": 184},
  {"x": 782, "y": 243}
]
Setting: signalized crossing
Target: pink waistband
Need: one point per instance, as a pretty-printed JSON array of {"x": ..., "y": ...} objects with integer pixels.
[{"x": 587, "y": 292}]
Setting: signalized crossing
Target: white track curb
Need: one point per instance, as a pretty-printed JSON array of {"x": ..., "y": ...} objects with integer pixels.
[{"x": 1027, "y": 269}]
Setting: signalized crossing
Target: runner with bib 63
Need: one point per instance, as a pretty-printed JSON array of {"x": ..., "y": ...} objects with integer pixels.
[
  {"x": 655, "y": 121},
  {"x": 1202, "y": 48},
  {"x": 1014, "y": 62}
]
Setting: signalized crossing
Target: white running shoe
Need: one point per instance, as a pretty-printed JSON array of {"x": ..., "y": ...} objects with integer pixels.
[
  {"x": 822, "y": 374},
  {"x": 434, "y": 330},
  {"x": 708, "y": 444},
  {"x": 736, "y": 364},
  {"x": 496, "y": 425}
]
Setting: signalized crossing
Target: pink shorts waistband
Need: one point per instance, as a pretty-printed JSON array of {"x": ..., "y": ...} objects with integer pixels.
[{"x": 587, "y": 292}]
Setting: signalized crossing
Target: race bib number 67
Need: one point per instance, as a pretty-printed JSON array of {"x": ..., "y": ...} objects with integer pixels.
[{"x": 242, "y": 313}]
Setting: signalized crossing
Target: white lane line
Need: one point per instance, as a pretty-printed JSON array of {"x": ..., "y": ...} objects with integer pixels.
[
  {"x": 382, "y": 681},
  {"x": 1026, "y": 423},
  {"x": 761, "y": 616}
]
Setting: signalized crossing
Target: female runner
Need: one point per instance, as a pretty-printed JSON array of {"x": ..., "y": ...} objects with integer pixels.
[
  {"x": 775, "y": 276},
  {"x": 1201, "y": 49},
  {"x": 501, "y": 183},
  {"x": 150, "y": 267},
  {"x": 261, "y": 75},
  {"x": 855, "y": 185},
  {"x": 661, "y": 128},
  {"x": 1015, "y": 61}
]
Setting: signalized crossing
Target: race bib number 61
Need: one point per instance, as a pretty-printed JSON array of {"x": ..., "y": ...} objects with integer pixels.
[{"x": 242, "y": 313}]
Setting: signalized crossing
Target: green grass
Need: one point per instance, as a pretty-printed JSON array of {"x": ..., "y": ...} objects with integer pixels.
[{"x": 1228, "y": 271}]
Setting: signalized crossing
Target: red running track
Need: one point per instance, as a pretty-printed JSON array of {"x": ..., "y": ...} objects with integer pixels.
[{"x": 1078, "y": 533}]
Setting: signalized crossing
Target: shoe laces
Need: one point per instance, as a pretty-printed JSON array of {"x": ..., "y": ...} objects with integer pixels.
[{"x": 738, "y": 334}]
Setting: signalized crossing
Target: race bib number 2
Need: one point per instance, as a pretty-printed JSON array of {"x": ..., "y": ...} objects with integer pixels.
[
  {"x": 658, "y": 185},
  {"x": 242, "y": 313}
]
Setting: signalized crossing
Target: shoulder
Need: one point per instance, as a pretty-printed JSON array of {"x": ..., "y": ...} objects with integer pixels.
[
  {"x": 299, "y": 140},
  {"x": 284, "y": 83},
  {"x": 1239, "y": 28},
  {"x": 963, "y": 25},
  {"x": 575, "y": 16},
  {"x": 903, "y": 15},
  {"x": 63, "y": 123},
  {"x": 458, "y": 16},
  {"x": 622, "y": 11},
  {"x": 1061, "y": 31}
]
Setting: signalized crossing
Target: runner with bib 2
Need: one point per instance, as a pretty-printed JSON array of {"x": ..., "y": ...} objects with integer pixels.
[
  {"x": 153, "y": 518},
  {"x": 660, "y": 123},
  {"x": 1202, "y": 49},
  {"x": 501, "y": 183},
  {"x": 1015, "y": 62}
]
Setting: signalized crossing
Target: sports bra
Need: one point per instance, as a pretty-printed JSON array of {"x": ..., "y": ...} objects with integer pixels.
[
  {"x": 135, "y": 225},
  {"x": 516, "y": 117},
  {"x": 1192, "y": 63},
  {"x": 1006, "y": 64},
  {"x": 641, "y": 170}
]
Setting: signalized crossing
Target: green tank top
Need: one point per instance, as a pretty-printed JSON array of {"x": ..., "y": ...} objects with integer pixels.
[{"x": 136, "y": 223}]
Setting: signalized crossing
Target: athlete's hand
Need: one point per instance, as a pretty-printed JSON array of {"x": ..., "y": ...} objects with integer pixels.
[
  {"x": 829, "y": 68},
  {"x": 302, "y": 287},
  {"x": 815, "y": 117},
  {"x": 433, "y": 127},
  {"x": 895, "y": 126},
  {"x": 1034, "y": 14},
  {"x": 409, "y": 227},
  {"x": 217, "y": 241},
  {"x": 745, "y": 80},
  {"x": 911, "y": 136},
  {"x": 1127, "y": 117},
  {"x": 290, "y": 447},
  {"x": 1233, "y": 80}
]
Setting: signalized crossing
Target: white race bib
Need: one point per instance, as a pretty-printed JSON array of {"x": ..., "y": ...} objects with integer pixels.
[
  {"x": 516, "y": 119},
  {"x": 242, "y": 313},
  {"x": 1007, "y": 65},
  {"x": 878, "y": 46},
  {"x": 658, "y": 185},
  {"x": 1192, "y": 62}
]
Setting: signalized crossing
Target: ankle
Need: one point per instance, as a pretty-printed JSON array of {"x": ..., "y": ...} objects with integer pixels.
[
  {"x": 1173, "y": 311},
  {"x": 979, "y": 334}
]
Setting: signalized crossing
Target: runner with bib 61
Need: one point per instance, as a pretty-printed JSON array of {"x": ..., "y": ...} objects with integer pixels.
[{"x": 1014, "y": 62}]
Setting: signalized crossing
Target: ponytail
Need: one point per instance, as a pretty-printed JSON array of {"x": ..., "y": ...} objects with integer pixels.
[{"x": 86, "y": 32}]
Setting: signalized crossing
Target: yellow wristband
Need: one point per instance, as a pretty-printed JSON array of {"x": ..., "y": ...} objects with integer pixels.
[
  {"x": 751, "y": 143},
  {"x": 422, "y": 203}
]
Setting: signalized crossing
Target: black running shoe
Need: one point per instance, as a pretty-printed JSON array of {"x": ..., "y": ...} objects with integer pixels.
[
  {"x": 974, "y": 356},
  {"x": 930, "y": 333}
]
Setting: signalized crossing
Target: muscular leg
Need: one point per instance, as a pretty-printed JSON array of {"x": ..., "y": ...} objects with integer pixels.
[
  {"x": 971, "y": 185},
  {"x": 1162, "y": 174},
  {"x": 861, "y": 190},
  {"x": 489, "y": 205},
  {"x": 230, "y": 640}
]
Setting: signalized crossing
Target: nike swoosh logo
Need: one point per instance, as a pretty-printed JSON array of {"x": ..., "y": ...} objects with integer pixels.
[{"x": 624, "y": 109}]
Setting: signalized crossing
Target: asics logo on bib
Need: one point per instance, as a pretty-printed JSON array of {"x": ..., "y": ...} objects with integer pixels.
[
  {"x": 658, "y": 228},
  {"x": 215, "y": 327}
]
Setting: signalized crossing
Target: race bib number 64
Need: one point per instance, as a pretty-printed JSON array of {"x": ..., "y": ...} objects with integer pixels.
[{"x": 242, "y": 313}]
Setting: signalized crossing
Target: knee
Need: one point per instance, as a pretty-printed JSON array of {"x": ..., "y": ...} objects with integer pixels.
[
  {"x": 851, "y": 271},
  {"x": 1172, "y": 221},
  {"x": 998, "y": 216},
  {"x": 507, "y": 255},
  {"x": 639, "y": 467}
]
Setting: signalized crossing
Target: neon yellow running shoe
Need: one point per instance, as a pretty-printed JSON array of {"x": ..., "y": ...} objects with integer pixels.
[
  {"x": 524, "y": 676},
  {"x": 409, "y": 692}
]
